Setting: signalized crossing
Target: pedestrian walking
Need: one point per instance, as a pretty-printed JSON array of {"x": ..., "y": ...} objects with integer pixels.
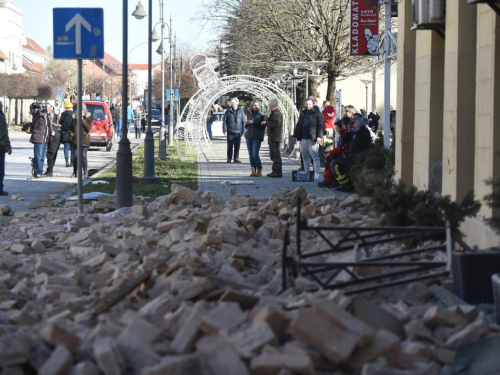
[
  {"x": 53, "y": 145},
  {"x": 137, "y": 124},
  {"x": 130, "y": 117},
  {"x": 374, "y": 118},
  {"x": 73, "y": 126},
  {"x": 233, "y": 125},
  {"x": 66, "y": 140},
  {"x": 309, "y": 131},
  {"x": 118, "y": 110},
  {"x": 40, "y": 130},
  {"x": 254, "y": 135},
  {"x": 274, "y": 125},
  {"x": 5, "y": 147}
]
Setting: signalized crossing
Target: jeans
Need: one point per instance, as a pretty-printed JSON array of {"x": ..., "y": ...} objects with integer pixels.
[
  {"x": 67, "y": 148},
  {"x": 84, "y": 160},
  {"x": 209, "y": 130},
  {"x": 253, "y": 146},
  {"x": 138, "y": 132},
  {"x": 40, "y": 152},
  {"x": 308, "y": 150},
  {"x": 119, "y": 129},
  {"x": 2, "y": 170},
  {"x": 233, "y": 141}
]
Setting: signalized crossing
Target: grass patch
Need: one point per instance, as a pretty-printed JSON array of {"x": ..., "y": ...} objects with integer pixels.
[{"x": 169, "y": 171}]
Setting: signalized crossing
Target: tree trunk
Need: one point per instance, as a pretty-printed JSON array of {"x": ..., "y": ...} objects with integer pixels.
[
  {"x": 15, "y": 113},
  {"x": 21, "y": 112},
  {"x": 332, "y": 85},
  {"x": 313, "y": 87}
]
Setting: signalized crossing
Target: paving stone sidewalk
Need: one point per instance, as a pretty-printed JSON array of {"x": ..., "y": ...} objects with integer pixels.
[{"x": 216, "y": 170}]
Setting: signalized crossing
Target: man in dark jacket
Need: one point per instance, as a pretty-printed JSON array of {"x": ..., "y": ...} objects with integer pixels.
[
  {"x": 361, "y": 140},
  {"x": 40, "y": 130},
  {"x": 53, "y": 145},
  {"x": 275, "y": 136},
  {"x": 64, "y": 121},
  {"x": 374, "y": 117},
  {"x": 233, "y": 126},
  {"x": 5, "y": 147},
  {"x": 309, "y": 131}
]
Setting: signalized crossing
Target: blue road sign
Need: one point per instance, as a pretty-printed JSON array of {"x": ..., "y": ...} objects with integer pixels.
[
  {"x": 175, "y": 98},
  {"x": 78, "y": 33}
]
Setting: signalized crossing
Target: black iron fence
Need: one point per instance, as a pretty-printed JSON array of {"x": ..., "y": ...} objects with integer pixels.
[{"x": 383, "y": 271}]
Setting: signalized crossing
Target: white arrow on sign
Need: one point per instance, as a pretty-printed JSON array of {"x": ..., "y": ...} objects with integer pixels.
[{"x": 78, "y": 21}]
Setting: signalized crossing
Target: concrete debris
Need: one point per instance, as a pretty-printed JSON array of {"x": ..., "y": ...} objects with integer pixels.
[{"x": 190, "y": 283}]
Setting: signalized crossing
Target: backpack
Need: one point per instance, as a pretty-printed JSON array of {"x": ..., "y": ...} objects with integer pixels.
[{"x": 66, "y": 137}]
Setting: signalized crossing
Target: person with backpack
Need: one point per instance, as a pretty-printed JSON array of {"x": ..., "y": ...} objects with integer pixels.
[{"x": 66, "y": 140}]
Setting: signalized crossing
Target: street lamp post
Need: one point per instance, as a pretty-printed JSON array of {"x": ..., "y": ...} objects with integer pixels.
[
  {"x": 367, "y": 82},
  {"x": 124, "y": 194},
  {"x": 149, "y": 146}
]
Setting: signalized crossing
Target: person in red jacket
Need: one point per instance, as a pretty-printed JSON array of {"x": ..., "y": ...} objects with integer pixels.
[
  {"x": 329, "y": 114},
  {"x": 341, "y": 151}
]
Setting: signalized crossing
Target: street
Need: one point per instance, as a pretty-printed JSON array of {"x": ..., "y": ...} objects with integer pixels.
[{"x": 18, "y": 179}]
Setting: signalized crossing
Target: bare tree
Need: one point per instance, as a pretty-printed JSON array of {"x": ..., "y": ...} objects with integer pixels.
[{"x": 257, "y": 35}]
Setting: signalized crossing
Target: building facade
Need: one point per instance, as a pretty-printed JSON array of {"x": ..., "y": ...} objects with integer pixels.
[{"x": 448, "y": 100}]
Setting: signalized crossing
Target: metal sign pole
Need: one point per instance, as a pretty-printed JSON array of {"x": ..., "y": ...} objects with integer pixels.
[
  {"x": 79, "y": 139},
  {"x": 387, "y": 75}
]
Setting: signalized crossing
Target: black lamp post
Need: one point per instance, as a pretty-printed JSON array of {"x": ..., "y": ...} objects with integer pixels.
[{"x": 149, "y": 142}]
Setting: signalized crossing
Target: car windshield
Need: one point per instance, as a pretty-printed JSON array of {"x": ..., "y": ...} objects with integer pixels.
[
  {"x": 155, "y": 112},
  {"x": 96, "y": 111}
]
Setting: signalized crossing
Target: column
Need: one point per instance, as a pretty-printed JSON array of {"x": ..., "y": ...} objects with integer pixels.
[
  {"x": 459, "y": 99},
  {"x": 405, "y": 101},
  {"x": 428, "y": 128},
  {"x": 487, "y": 162}
]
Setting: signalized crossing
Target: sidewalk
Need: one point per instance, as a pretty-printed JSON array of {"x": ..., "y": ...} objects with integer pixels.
[{"x": 212, "y": 172}]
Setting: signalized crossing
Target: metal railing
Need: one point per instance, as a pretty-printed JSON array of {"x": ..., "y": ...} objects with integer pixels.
[{"x": 389, "y": 271}]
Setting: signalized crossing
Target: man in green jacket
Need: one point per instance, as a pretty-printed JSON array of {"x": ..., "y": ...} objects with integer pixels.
[
  {"x": 275, "y": 136},
  {"x": 4, "y": 147}
]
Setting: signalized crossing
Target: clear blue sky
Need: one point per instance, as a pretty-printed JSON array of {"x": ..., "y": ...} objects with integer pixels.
[{"x": 37, "y": 24}]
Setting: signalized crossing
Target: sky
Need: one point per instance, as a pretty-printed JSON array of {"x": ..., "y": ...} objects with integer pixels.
[{"x": 37, "y": 13}]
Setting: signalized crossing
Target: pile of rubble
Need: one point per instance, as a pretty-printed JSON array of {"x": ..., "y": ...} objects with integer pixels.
[{"x": 191, "y": 284}]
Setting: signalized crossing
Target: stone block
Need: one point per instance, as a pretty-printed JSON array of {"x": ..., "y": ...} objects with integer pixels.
[
  {"x": 185, "y": 338},
  {"x": 59, "y": 362},
  {"x": 273, "y": 363},
  {"x": 85, "y": 368},
  {"x": 188, "y": 364},
  {"x": 220, "y": 356},
  {"x": 335, "y": 343},
  {"x": 226, "y": 316},
  {"x": 438, "y": 316},
  {"x": 108, "y": 357},
  {"x": 248, "y": 341},
  {"x": 275, "y": 318},
  {"x": 340, "y": 318},
  {"x": 14, "y": 349},
  {"x": 472, "y": 332},
  {"x": 141, "y": 330},
  {"x": 384, "y": 343},
  {"x": 54, "y": 334}
]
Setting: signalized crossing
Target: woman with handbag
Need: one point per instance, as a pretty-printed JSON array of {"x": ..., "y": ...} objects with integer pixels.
[{"x": 254, "y": 135}]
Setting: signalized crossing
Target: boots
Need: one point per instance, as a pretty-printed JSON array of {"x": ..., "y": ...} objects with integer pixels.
[
  {"x": 67, "y": 163},
  {"x": 259, "y": 172},
  {"x": 253, "y": 173}
]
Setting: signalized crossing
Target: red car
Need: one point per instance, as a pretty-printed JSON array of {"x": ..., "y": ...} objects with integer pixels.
[{"x": 102, "y": 131}]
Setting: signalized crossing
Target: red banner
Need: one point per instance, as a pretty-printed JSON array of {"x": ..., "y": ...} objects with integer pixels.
[{"x": 364, "y": 27}]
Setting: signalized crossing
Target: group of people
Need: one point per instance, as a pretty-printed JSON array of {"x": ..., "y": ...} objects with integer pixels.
[
  {"x": 235, "y": 124},
  {"x": 47, "y": 136},
  {"x": 349, "y": 134}
]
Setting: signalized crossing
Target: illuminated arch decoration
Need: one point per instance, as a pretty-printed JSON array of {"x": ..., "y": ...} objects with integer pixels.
[{"x": 192, "y": 127}]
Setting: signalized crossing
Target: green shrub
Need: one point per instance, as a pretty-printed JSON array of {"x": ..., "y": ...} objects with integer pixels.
[{"x": 493, "y": 201}]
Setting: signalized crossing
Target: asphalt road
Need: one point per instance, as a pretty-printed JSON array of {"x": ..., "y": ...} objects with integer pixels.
[{"x": 18, "y": 179}]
